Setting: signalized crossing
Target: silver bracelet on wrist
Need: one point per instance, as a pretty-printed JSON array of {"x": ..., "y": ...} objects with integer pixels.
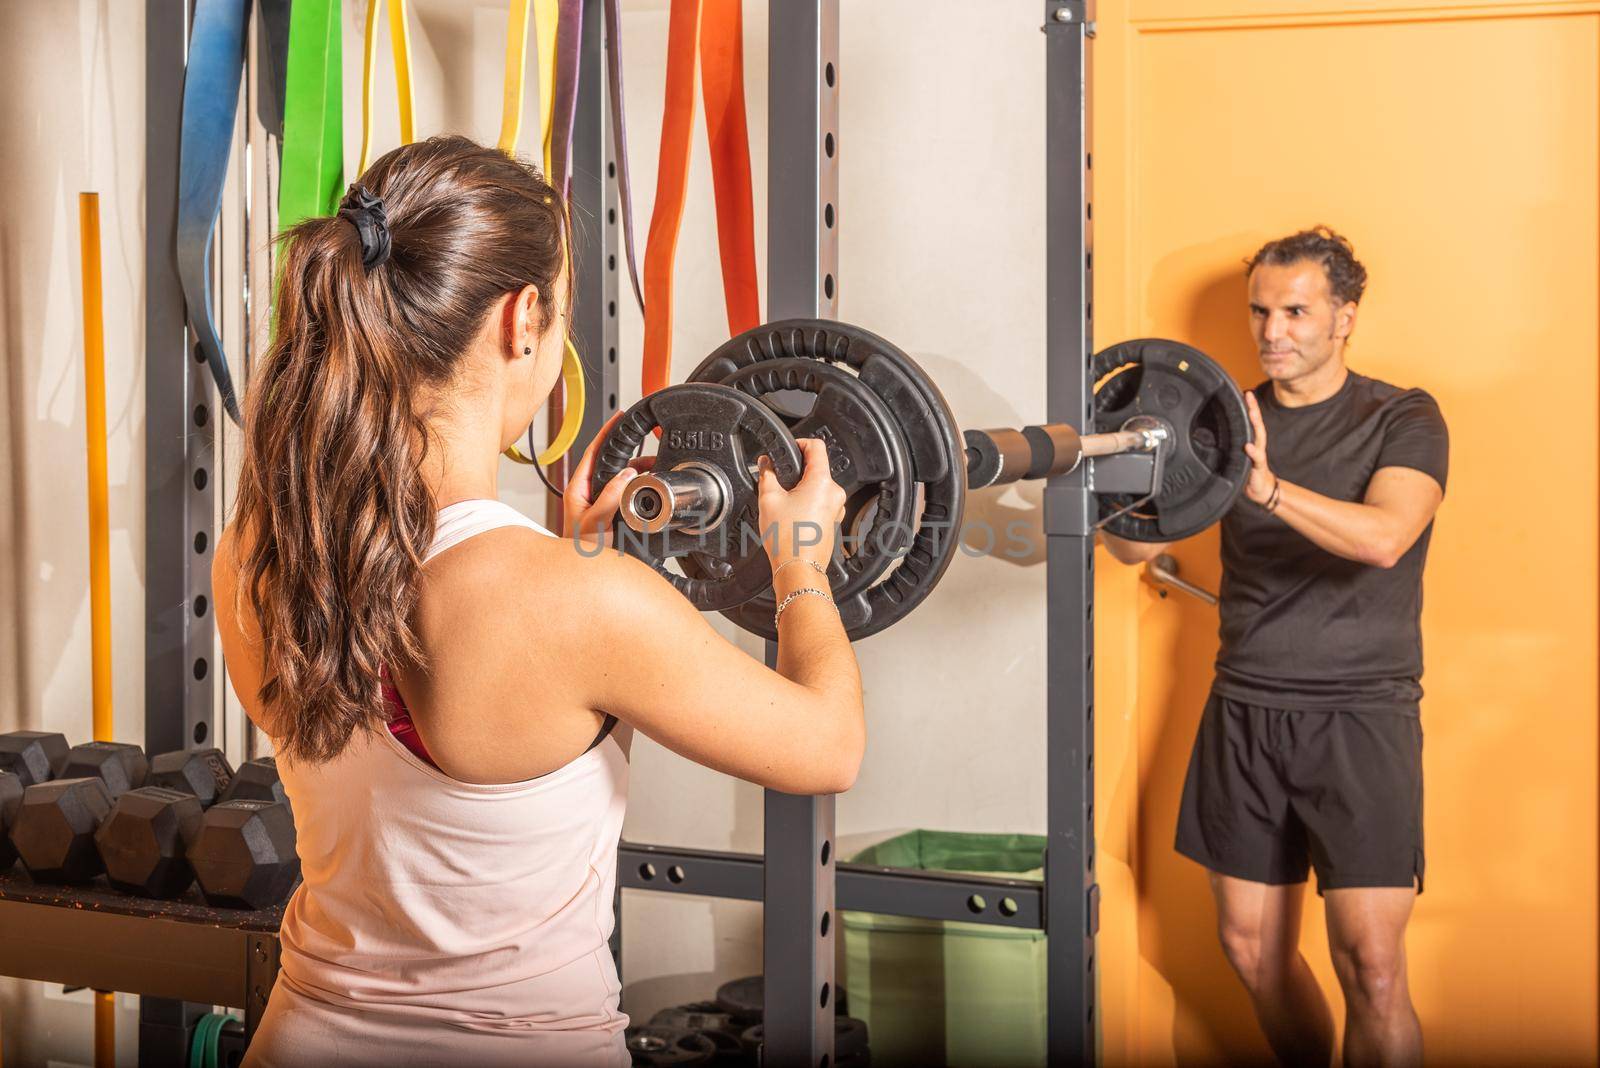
[
  {"x": 824, "y": 594},
  {"x": 812, "y": 564}
]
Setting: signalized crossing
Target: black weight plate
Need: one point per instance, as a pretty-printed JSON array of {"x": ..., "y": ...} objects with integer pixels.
[
  {"x": 742, "y": 998},
  {"x": 849, "y": 1037},
  {"x": 868, "y": 458},
  {"x": 695, "y": 1016},
  {"x": 919, "y": 410},
  {"x": 1204, "y": 464},
  {"x": 724, "y": 428},
  {"x": 661, "y": 1047}
]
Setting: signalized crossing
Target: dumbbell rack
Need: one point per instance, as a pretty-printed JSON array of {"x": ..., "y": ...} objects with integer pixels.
[
  {"x": 797, "y": 878},
  {"x": 181, "y": 956}
]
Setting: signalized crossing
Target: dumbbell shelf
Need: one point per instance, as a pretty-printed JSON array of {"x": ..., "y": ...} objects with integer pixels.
[{"x": 182, "y": 950}]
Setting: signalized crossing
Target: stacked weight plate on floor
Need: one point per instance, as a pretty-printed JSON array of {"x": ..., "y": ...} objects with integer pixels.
[
  {"x": 893, "y": 446},
  {"x": 669, "y": 1047},
  {"x": 712, "y": 1022}
]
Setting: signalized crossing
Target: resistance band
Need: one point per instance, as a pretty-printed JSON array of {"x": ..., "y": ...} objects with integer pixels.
[
  {"x": 400, "y": 46},
  {"x": 715, "y": 28},
  {"x": 619, "y": 139},
  {"x": 313, "y": 122},
  {"x": 722, "y": 83},
  {"x": 210, "y": 101},
  {"x": 569, "y": 50},
  {"x": 672, "y": 175},
  {"x": 272, "y": 53},
  {"x": 547, "y": 15},
  {"x": 560, "y": 87}
]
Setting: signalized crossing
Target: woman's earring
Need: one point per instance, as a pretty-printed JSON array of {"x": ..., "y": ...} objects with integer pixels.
[{"x": 527, "y": 352}]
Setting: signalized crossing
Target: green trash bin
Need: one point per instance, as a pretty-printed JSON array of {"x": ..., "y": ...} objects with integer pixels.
[{"x": 966, "y": 995}]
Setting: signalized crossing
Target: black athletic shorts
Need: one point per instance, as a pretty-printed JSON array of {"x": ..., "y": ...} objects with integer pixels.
[{"x": 1271, "y": 792}]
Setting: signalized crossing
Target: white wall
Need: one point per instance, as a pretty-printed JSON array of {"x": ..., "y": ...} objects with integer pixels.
[{"x": 941, "y": 251}]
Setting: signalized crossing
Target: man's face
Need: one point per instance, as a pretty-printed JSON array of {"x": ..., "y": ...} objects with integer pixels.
[{"x": 1297, "y": 323}]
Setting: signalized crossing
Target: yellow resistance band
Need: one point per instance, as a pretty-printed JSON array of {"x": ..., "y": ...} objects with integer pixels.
[
  {"x": 400, "y": 46},
  {"x": 547, "y": 16}
]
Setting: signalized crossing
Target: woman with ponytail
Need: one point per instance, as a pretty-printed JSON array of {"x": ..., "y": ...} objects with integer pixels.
[{"x": 451, "y": 690}]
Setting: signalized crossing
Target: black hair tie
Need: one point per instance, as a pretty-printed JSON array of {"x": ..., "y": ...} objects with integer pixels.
[{"x": 366, "y": 212}]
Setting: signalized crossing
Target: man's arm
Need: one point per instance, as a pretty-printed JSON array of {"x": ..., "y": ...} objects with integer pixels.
[{"x": 1399, "y": 505}]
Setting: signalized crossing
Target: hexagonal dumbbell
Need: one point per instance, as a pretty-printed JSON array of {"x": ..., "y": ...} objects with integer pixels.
[
  {"x": 244, "y": 854},
  {"x": 10, "y": 803},
  {"x": 34, "y": 756},
  {"x": 121, "y": 766},
  {"x": 54, "y": 829},
  {"x": 205, "y": 773},
  {"x": 257, "y": 780},
  {"x": 144, "y": 839}
]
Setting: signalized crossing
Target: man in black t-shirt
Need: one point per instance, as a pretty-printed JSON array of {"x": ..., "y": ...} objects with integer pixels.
[{"x": 1309, "y": 751}]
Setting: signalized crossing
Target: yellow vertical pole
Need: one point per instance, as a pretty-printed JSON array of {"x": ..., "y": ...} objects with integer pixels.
[
  {"x": 94, "y": 367},
  {"x": 105, "y": 1030},
  {"x": 94, "y": 377}
]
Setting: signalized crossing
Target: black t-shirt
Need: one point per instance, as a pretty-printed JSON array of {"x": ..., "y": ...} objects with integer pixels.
[{"x": 1301, "y": 627}]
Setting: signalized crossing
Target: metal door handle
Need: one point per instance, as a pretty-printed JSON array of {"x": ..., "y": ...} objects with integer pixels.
[{"x": 1163, "y": 571}]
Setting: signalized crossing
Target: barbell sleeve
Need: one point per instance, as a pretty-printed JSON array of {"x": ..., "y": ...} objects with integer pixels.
[
  {"x": 998, "y": 456},
  {"x": 683, "y": 499}
]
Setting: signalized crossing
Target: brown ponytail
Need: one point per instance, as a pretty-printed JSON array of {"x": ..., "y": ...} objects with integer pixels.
[{"x": 336, "y": 514}]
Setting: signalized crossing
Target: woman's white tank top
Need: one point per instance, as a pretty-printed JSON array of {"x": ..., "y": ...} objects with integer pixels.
[{"x": 442, "y": 921}]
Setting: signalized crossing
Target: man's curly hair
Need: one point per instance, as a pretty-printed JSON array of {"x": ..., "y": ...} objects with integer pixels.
[{"x": 1347, "y": 279}]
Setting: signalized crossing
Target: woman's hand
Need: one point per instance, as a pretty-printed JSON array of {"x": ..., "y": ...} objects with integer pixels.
[
  {"x": 584, "y": 518},
  {"x": 800, "y": 522}
]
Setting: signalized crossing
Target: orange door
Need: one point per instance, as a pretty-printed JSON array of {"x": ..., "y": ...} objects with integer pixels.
[{"x": 1456, "y": 146}]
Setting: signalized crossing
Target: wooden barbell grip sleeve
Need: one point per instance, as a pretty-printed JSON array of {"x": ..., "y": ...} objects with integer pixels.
[{"x": 998, "y": 456}]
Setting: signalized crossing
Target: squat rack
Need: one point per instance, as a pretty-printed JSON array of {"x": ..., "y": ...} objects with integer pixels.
[{"x": 797, "y": 878}]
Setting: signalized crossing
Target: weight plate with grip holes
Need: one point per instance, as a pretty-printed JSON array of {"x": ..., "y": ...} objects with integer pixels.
[
  {"x": 661, "y": 1047},
  {"x": 1204, "y": 464},
  {"x": 695, "y": 1016},
  {"x": 849, "y": 1038},
  {"x": 931, "y": 436},
  {"x": 867, "y": 457},
  {"x": 723, "y": 428},
  {"x": 709, "y": 1019}
]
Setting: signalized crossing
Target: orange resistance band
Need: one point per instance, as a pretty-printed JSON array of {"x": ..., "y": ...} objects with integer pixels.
[
  {"x": 672, "y": 175},
  {"x": 715, "y": 28},
  {"x": 722, "y": 82}
]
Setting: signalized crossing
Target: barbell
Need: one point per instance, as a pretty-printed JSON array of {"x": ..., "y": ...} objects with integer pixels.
[{"x": 1165, "y": 448}]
